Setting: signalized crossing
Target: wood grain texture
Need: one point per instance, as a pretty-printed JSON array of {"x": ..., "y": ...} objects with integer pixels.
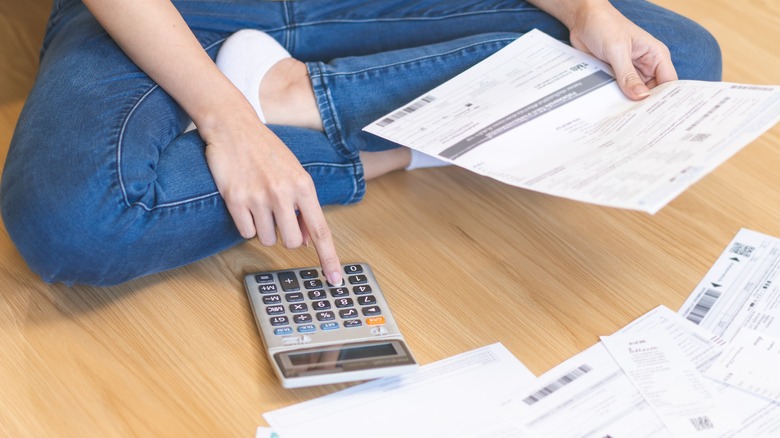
[{"x": 464, "y": 261}]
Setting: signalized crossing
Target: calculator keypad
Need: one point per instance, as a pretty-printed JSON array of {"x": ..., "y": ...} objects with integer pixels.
[{"x": 311, "y": 304}]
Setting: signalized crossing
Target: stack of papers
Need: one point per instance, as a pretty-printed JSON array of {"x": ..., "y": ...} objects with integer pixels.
[{"x": 709, "y": 370}]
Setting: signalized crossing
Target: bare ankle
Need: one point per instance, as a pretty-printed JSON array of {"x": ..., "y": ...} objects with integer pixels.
[
  {"x": 287, "y": 97},
  {"x": 376, "y": 164}
]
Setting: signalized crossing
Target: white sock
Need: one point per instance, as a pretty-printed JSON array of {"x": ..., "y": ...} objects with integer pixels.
[
  {"x": 422, "y": 160},
  {"x": 245, "y": 57}
]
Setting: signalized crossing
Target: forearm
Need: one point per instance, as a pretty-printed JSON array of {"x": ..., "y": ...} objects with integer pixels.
[
  {"x": 156, "y": 37},
  {"x": 566, "y": 11}
]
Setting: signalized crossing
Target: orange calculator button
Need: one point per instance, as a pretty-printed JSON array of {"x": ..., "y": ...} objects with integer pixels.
[{"x": 375, "y": 320}]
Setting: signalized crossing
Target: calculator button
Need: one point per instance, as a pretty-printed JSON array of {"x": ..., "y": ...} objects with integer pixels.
[
  {"x": 309, "y": 273},
  {"x": 366, "y": 300},
  {"x": 358, "y": 279},
  {"x": 375, "y": 320},
  {"x": 313, "y": 284},
  {"x": 299, "y": 308},
  {"x": 353, "y": 323},
  {"x": 274, "y": 310},
  {"x": 283, "y": 331},
  {"x": 302, "y": 318},
  {"x": 320, "y": 305},
  {"x": 325, "y": 316},
  {"x": 272, "y": 299},
  {"x": 279, "y": 320},
  {"x": 267, "y": 288},
  {"x": 348, "y": 313},
  {"x": 344, "y": 302},
  {"x": 294, "y": 297},
  {"x": 371, "y": 311},
  {"x": 289, "y": 281},
  {"x": 308, "y": 328},
  {"x": 353, "y": 269},
  {"x": 329, "y": 325},
  {"x": 339, "y": 292},
  {"x": 362, "y": 290},
  {"x": 264, "y": 278},
  {"x": 317, "y": 294}
]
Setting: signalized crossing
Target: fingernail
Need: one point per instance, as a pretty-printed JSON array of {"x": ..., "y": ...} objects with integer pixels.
[
  {"x": 334, "y": 278},
  {"x": 641, "y": 91}
]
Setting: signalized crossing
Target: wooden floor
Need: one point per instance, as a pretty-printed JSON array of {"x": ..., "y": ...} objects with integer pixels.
[{"x": 464, "y": 261}]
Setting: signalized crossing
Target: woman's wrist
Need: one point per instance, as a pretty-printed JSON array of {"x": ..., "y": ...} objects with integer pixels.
[{"x": 569, "y": 12}]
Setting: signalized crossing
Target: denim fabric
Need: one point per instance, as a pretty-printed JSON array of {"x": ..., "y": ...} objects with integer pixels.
[{"x": 101, "y": 187}]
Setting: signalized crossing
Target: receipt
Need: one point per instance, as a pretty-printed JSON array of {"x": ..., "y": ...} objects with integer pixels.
[
  {"x": 682, "y": 398},
  {"x": 751, "y": 362}
]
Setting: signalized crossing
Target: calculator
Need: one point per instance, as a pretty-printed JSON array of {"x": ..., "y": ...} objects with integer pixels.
[{"x": 316, "y": 333}]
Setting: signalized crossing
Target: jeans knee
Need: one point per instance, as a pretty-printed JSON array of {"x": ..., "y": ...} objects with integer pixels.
[
  {"x": 63, "y": 241},
  {"x": 697, "y": 54}
]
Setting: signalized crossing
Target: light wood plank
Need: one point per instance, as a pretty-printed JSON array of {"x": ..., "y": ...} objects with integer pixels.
[{"x": 464, "y": 261}]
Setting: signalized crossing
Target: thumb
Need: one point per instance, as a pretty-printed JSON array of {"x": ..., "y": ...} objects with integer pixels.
[
  {"x": 632, "y": 86},
  {"x": 629, "y": 80}
]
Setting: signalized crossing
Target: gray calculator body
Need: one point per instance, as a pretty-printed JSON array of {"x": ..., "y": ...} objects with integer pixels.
[{"x": 317, "y": 334}]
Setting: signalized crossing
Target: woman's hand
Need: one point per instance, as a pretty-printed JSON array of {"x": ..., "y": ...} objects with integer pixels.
[
  {"x": 265, "y": 188},
  {"x": 640, "y": 62}
]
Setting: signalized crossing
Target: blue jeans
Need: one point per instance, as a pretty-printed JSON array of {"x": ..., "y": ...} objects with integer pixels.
[{"x": 101, "y": 187}]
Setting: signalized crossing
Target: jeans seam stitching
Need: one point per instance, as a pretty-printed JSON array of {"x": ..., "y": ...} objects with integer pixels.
[
  {"x": 407, "y": 61},
  {"x": 120, "y": 141},
  {"x": 398, "y": 19}
]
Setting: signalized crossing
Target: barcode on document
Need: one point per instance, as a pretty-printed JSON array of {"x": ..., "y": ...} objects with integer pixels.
[
  {"x": 703, "y": 306},
  {"x": 414, "y": 106},
  {"x": 558, "y": 384},
  {"x": 702, "y": 423},
  {"x": 742, "y": 249}
]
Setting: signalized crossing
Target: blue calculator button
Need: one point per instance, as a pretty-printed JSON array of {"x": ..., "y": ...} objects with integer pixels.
[
  {"x": 329, "y": 325},
  {"x": 283, "y": 331},
  {"x": 308, "y": 328}
]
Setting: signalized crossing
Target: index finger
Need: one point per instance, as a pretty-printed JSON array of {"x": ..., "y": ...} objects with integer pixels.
[{"x": 317, "y": 228}]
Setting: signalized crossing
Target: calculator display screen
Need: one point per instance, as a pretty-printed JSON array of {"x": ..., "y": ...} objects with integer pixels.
[
  {"x": 343, "y": 357},
  {"x": 368, "y": 351}
]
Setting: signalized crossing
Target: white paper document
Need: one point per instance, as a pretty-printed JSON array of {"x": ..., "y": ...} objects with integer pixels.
[
  {"x": 455, "y": 397},
  {"x": 592, "y": 395},
  {"x": 543, "y": 116},
  {"x": 742, "y": 291},
  {"x": 685, "y": 401},
  {"x": 750, "y": 362}
]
